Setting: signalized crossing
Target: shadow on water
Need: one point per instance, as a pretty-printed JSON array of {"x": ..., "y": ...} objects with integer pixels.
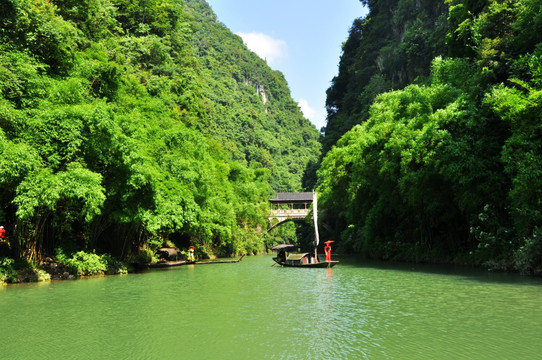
[{"x": 465, "y": 272}]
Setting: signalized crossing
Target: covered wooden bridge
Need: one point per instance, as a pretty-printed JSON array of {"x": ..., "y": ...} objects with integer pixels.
[{"x": 290, "y": 206}]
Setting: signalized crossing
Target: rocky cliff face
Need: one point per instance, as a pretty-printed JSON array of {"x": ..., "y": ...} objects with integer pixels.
[{"x": 389, "y": 49}]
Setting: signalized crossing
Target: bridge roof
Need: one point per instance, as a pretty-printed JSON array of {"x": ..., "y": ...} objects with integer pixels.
[{"x": 292, "y": 197}]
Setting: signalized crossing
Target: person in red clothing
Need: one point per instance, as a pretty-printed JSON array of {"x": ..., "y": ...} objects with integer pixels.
[{"x": 2, "y": 232}]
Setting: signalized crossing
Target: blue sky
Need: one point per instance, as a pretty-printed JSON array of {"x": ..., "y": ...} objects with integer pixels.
[{"x": 300, "y": 38}]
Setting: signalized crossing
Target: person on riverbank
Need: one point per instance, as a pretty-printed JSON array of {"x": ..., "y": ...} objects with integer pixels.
[
  {"x": 191, "y": 253},
  {"x": 2, "y": 233}
]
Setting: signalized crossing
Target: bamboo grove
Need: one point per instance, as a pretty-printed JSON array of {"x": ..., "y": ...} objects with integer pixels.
[
  {"x": 434, "y": 135},
  {"x": 126, "y": 124}
]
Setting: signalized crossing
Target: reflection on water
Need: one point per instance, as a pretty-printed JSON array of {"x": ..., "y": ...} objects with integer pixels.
[{"x": 252, "y": 310}]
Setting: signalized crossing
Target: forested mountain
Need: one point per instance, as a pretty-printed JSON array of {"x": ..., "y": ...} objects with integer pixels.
[
  {"x": 447, "y": 168},
  {"x": 248, "y": 106},
  {"x": 126, "y": 123}
]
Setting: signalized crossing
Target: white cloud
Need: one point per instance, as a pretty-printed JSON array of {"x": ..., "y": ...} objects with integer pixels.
[
  {"x": 307, "y": 110},
  {"x": 265, "y": 46}
]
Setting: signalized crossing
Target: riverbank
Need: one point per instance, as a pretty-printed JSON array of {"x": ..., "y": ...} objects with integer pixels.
[
  {"x": 60, "y": 267},
  {"x": 80, "y": 265}
]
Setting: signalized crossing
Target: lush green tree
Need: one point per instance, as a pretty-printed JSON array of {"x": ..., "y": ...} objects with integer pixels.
[
  {"x": 522, "y": 158},
  {"x": 65, "y": 198},
  {"x": 35, "y": 25},
  {"x": 387, "y": 182},
  {"x": 96, "y": 18}
]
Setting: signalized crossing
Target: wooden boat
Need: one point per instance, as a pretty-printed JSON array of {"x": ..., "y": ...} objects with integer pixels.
[
  {"x": 219, "y": 261},
  {"x": 305, "y": 260},
  {"x": 166, "y": 263},
  {"x": 161, "y": 264}
]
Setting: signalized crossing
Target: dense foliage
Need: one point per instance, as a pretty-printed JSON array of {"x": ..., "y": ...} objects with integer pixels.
[
  {"x": 124, "y": 124},
  {"x": 448, "y": 169},
  {"x": 389, "y": 49},
  {"x": 248, "y": 107}
]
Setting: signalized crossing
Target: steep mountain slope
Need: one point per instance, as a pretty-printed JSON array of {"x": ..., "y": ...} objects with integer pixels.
[{"x": 249, "y": 107}]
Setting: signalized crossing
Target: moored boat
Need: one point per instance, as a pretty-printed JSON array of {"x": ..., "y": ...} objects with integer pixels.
[
  {"x": 171, "y": 263},
  {"x": 161, "y": 264},
  {"x": 168, "y": 257}
]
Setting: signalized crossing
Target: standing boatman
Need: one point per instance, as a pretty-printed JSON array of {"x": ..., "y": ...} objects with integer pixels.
[{"x": 327, "y": 249}]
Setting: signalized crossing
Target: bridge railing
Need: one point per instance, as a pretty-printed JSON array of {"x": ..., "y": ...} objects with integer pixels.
[
  {"x": 290, "y": 212},
  {"x": 283, "y": 215}
]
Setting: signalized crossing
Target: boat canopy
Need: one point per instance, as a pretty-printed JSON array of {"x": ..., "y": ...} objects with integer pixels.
[
  {"x": 168, "y": 252},
  {"x": 286, "y": 247},
  {"x": 296, "y": 257}
]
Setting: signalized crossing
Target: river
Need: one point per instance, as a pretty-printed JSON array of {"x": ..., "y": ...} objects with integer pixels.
[{"x": 252, "y": 310}]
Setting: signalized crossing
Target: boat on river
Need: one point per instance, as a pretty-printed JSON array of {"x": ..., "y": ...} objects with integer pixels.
[
  {"x": 161, "y": 264},
  {"x": 169, "y": 257},
  {"x": 220, "y": 261},
  {"x": 288, "y": 256}
]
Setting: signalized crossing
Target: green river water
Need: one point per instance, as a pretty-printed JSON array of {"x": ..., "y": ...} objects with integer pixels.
[{"x": 252, "y": 310}]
